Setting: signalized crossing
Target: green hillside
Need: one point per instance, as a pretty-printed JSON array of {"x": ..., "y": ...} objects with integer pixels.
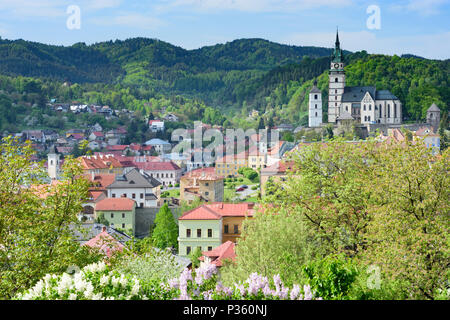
[{"x": 220, "y": 84}]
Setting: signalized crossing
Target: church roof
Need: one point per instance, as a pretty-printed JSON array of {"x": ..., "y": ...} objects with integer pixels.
[
  {"x": 356, "y": 94},
  {"x": 433, "y": 107},
  {"x": 345, "y": 116},
  {"x": 385, "y": 95},
  {"x": 315, "y": 90}
]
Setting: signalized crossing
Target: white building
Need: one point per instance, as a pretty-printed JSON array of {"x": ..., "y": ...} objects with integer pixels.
[
  {"x": 315, "y": 107},
  {"x": 53, "y": 164},
  {"x": 156, "y": 125},
  {"x": 167, "y": 173},
  {"x": 365, "y": 104},
  {"x": 137, "y": 186},
  {"x": 160, "y": 146}
]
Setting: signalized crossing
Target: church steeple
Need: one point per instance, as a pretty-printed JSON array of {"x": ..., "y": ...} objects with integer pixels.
[{"x": 337, "y": 53}]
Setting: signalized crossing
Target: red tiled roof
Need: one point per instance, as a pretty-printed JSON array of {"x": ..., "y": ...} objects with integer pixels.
[
  {"x": 224, "y": 251},
  {"x": 95, "y": 195},
  {"x": 105, "y": 242},
  {"x": 279, "y": 167},
  {"x": 103, "y": 180},
  {"x": 98, "y": 134},
  {"x": 99, "y": 162},
  {"x": 115, "y": 204},
  {"x": 217, "y": 210},
  {"x": 208, "y": 173},
  {"x": 116, "y": 147},
  {"x": 157, "y": 166}
]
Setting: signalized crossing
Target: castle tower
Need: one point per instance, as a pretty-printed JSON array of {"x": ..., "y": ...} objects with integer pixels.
[
  {"x": 53, "y": 164},
  {"x": 315, "y": 107},
  {"x": 434, "y": 117},
  {"x": 336, "y": 82}
]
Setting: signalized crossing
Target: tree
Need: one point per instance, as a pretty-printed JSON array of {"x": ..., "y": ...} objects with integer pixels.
[
  {"x": 165, "y": 232},
  {"x": 37, "y": 220}
]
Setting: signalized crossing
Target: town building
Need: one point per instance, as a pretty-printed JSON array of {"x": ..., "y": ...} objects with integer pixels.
[
  {"x": 136, "y": 186},
  {"x": 217, "y": 256},
  {"x": 156, "y": 125},
  {"x": 101, "y": 164},
  {"x": 229, "y": 165},
  {"x": 210, "y": 225},
  {"x": 160, "y": 146},
  {"x": 203, "y": 184},
  {"x": 119, "y": 212},
  {"x": 167, "y": 172},
  {"x": 315, "y": 107}
]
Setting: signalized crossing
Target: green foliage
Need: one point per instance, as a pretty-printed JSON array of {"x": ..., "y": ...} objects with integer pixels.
[
  {"x": 331, "y": 277},
  {"x": 194, "y": 255},
  {"x": 37, "y": 220},
  {"x": 165, "y": 232}
]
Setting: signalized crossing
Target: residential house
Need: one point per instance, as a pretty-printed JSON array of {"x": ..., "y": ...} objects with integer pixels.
[
  {"x": 136, "y": 186},
  {"x": 171, "y": 117},
  {"x": 168, "y": 173},
  {"x": 119, "y": 212},
  {"x": 210, "y": 225},
  {"x": 430, "y": 139},
  {"x": 229, "y": 165},
  {"x": 217, "y": 256},
  {"x": 105, "y": 243},
  {"x": 203, "y": 184},
  {"x": 276, "y": 172},
  {"x": 156, "y": 125},
  {"x": 160, "y": 146},
  {"x": 97, "y": 136},
  {"x": 36, "y": 136},
  {"x": 123, "y": 149},
  {"x": 101, "y": 164}
]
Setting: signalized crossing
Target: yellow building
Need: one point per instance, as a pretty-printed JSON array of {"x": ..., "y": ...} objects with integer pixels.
[
  {"x": 277, "y": 172},
  {"x": 203, "y": 184},
  {"x": 230, "y": 165}
]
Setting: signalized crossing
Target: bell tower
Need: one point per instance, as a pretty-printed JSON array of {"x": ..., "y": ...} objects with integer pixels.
[{"x": 336, "y": 81}]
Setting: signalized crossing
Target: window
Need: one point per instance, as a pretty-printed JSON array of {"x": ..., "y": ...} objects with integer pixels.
[
  {"x": 395, "y": 111},
  {"x": 225, "y": 228},
  {"x": 316, "y": 114},
  {"x": 236, "y": 228},
  {"x": 207, "y": 184},
  {"x": 209, "y": 248},
  {"x": 123, "y": 215},
  {"x": 206, "y": 193},
  {"x": 141, "y": 196},
  {"x": 336, "y": 80},
  {"x": 316, "y": 105},
  {"x": 370, "y": 107},
  {"x": 388, "y": 111},
  {"x": 133, "y": 195},
  {"x": 315, "y": 97},
  {"x": 209, "y": 233},
  {"x": 188, "y": 250},
  {"x": 335, "y": 91},
  {"x": 112, "y": 215},
  {"x": 188, "y": 233},
  {"x": 364, "y": 107},
  {"x": 113, "y": 195},
  {"x": 123, "y": 225},
  {"x": 199, "y": 233}
]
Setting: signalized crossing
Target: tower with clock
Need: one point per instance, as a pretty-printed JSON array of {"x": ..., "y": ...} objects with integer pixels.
[{"x": 336, "y": 82}]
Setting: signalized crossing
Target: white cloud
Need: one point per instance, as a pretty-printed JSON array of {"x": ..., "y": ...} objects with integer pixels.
[
  {"x": 133, "y": 20},
  {"x": 252, "y": 5},
  {"x": 432, "y": 46},
  {"x": 423, "y": 7}
]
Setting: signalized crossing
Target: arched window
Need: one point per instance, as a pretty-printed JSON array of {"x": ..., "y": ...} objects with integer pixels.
[
  {"x": 388, "y": 111},
  {"x": 336, "y": 80},
  {"x": 316, "y": 105},
  {"x": 370, "y": 107},
  {"x": 364, "y": 107},
  {"x": 315, "y": 97},
  {"x": 316, "y": 114}
]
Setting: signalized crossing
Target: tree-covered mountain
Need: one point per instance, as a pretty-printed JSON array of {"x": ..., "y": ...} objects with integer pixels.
[{"x": 230, "y": 79}]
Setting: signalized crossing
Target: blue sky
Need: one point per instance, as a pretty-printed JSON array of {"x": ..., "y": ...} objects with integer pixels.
[{"x": 419, "y": 27}]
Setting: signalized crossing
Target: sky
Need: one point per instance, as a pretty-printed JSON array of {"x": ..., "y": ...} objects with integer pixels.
[{"x": 420, "y": 27}]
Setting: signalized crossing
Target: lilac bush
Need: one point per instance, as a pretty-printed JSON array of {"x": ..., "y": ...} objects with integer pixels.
[{"x": 98, "y": 282}]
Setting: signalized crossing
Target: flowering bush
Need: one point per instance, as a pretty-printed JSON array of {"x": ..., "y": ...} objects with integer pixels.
[{"x": 97, "y": 282}]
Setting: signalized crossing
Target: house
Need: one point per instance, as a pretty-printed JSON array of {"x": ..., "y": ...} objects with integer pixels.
[
  {"x": 74, "y": 131},
  {"x": 160, "y": 146},
  {"x": 123, "y": 149},
  {"x": 202, "y": 183},
  {"x": 276, "y": 172},
  {"x": 50, "y": 135},
  {"x": 229, "y": 165},
  {"x": 256, "y": 158},
  {"x": 171, "y": 117},
  {"x": 119, "y": 212},
  {"x": 97, "y": 136},
  {"x": 217, "y": 256},
  {"x": 105, "y": 243},
  {"x": 210, "y": 225},
  {"x": 167, "y": 173},
  {"x": 36, "y": 136},
  {"x": 430, "y": 139},
  {"x": 136, "y": 186},
  {"x": 101, "y": 164},
  {"x": 156, "y": 125}
]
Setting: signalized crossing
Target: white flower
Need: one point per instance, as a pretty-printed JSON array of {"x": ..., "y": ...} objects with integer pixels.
[
  {"x": 115, "y": 281},
  {"x": 135, "y": 288},
  {"x": 72, "y": 296},
  {"x": 104, "y": 280}
]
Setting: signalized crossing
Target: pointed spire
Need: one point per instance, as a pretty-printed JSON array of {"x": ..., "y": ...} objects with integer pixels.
[{"x": 337, "y": 37}]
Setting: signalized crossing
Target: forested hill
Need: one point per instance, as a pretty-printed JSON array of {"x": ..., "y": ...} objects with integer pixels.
[{"x": 109, "y": 61}]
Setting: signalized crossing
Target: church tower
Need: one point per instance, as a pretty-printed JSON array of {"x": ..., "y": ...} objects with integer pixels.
[
  {"x": 53, "y": 164},
  {"x": 315, "y": 107},
  {"x": 336, "y": 82}
]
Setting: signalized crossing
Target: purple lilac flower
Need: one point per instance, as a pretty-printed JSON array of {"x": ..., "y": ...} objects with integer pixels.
[
  {"x": 295, "y": 292},
  {"x": 308, "y": 293}
]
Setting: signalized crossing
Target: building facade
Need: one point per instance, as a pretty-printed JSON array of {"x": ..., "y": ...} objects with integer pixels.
[{"x": 315, "y": 107}]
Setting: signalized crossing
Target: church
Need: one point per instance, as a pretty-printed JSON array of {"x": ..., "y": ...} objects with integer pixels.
[{"x": 363, "y": 104}]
